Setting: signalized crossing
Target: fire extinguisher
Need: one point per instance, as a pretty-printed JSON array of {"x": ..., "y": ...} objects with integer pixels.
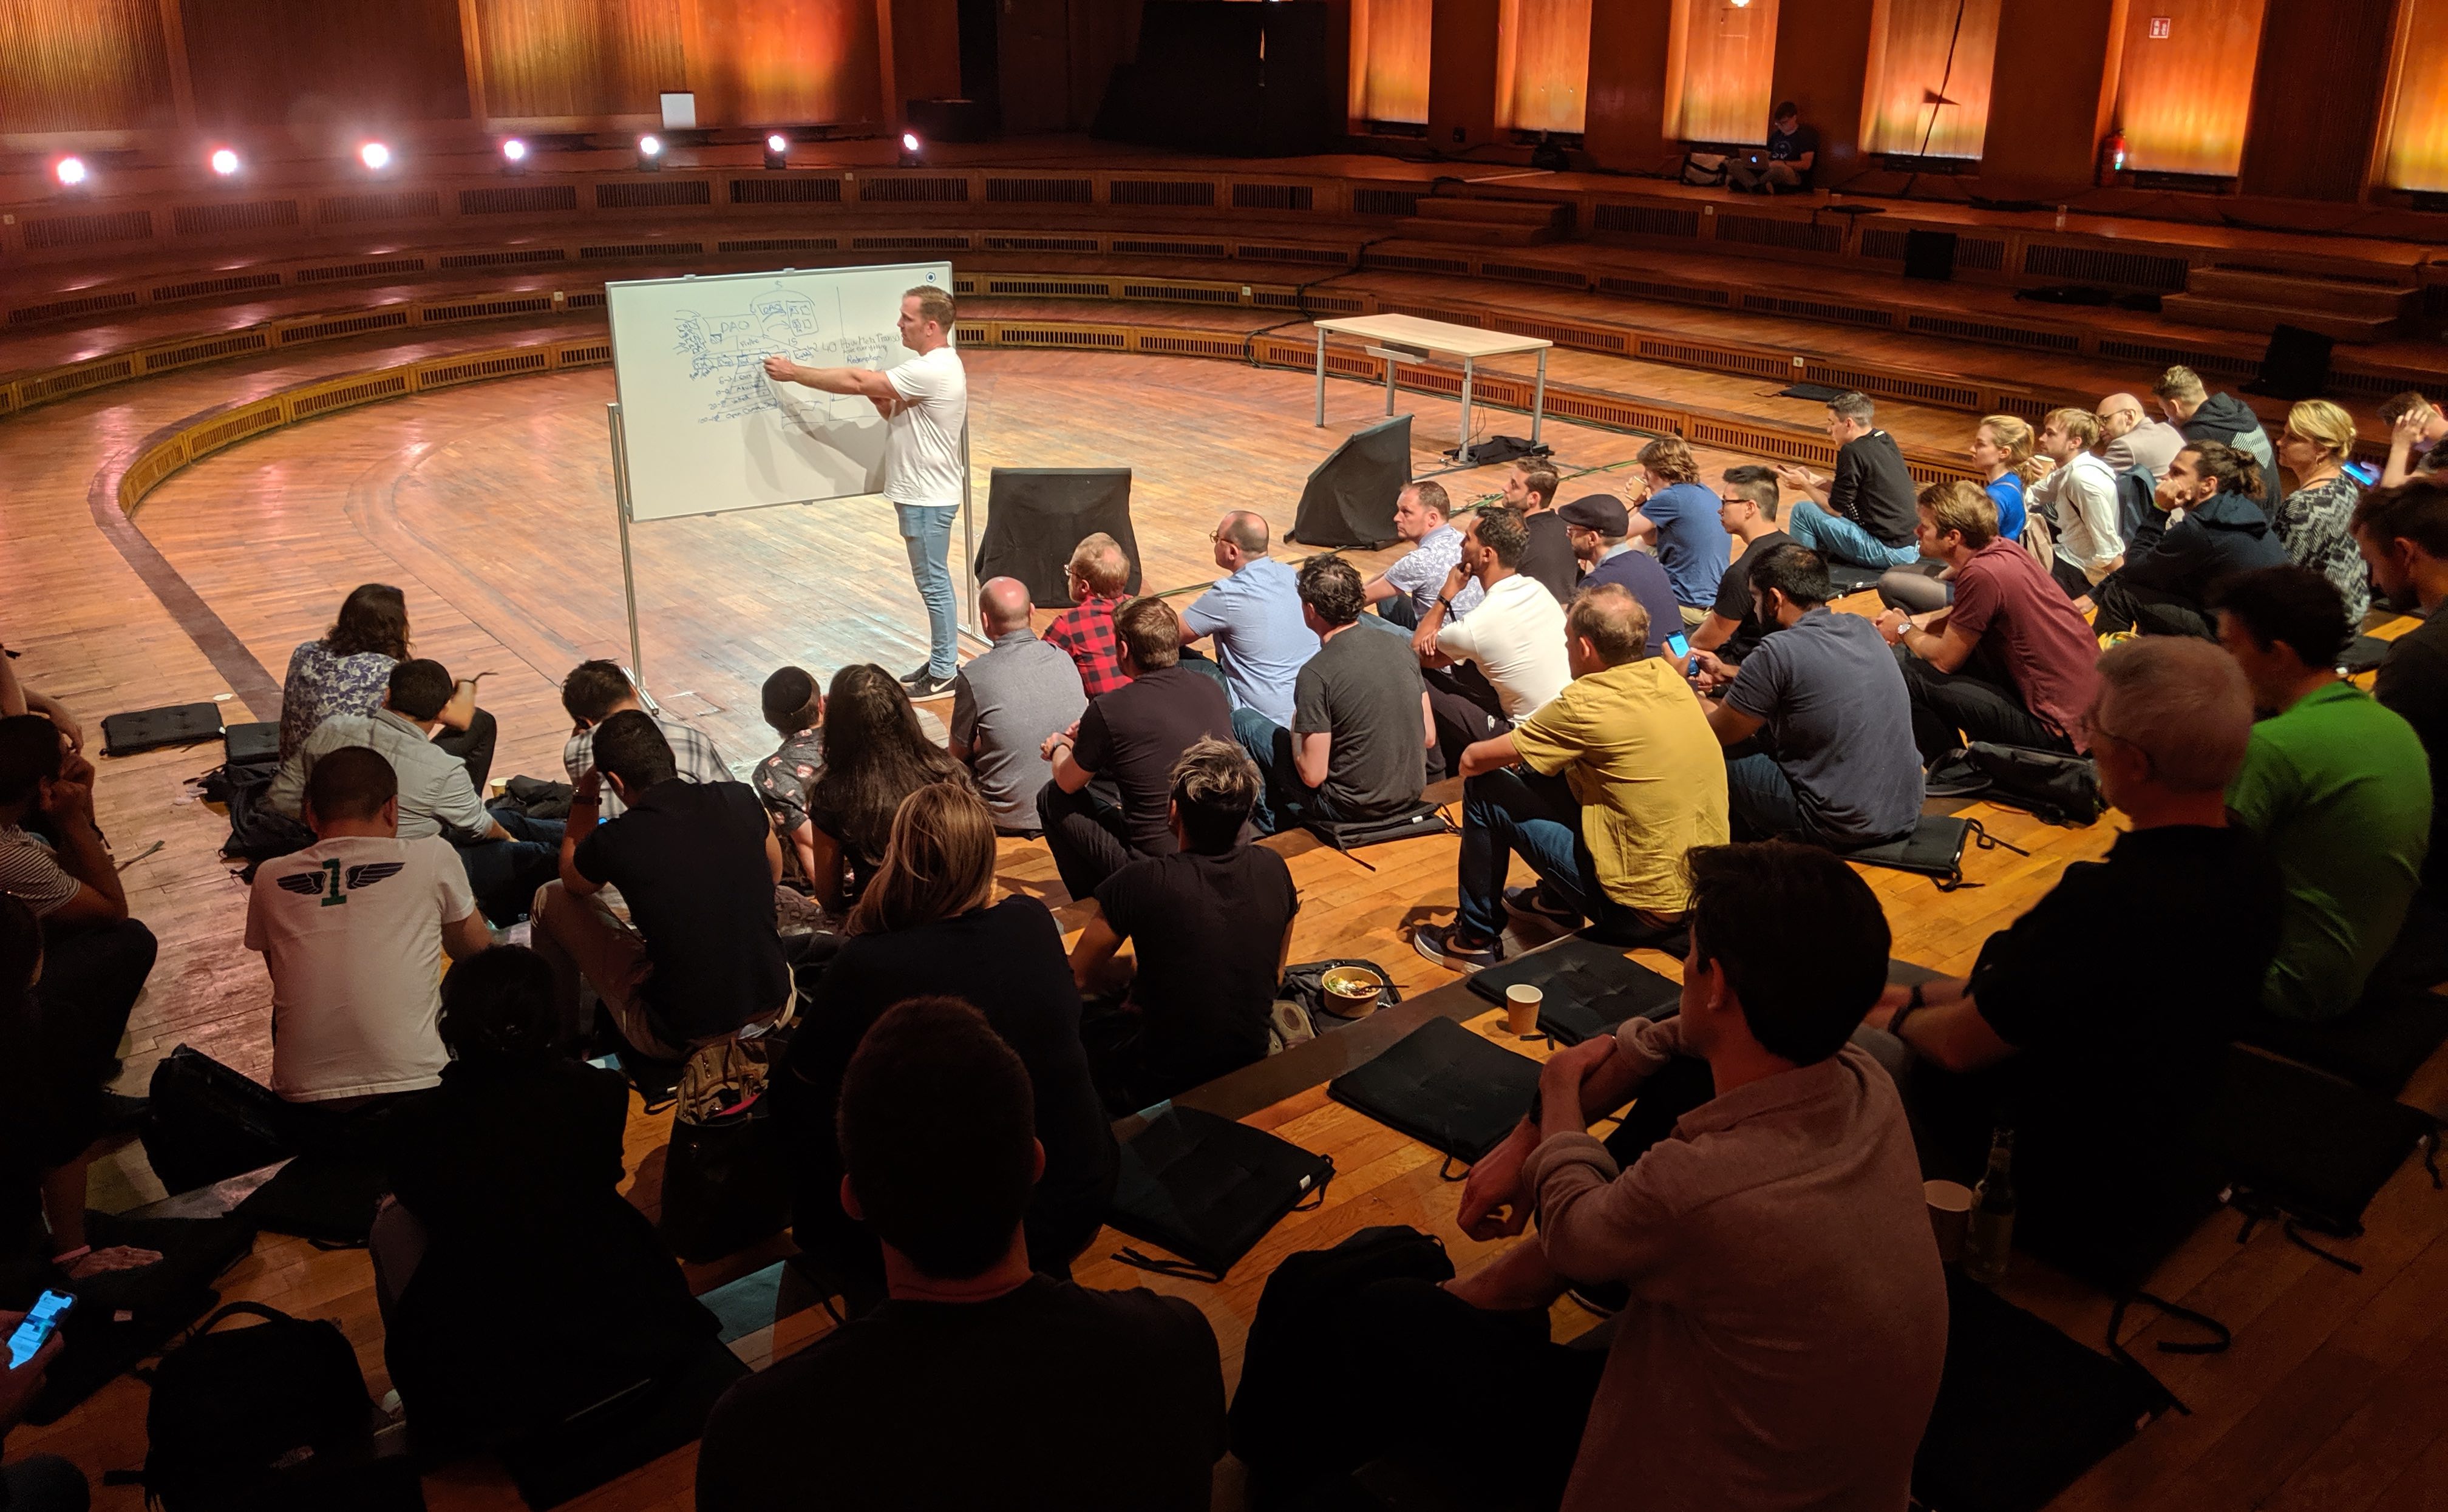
[{"x": 2112, "y": 158}]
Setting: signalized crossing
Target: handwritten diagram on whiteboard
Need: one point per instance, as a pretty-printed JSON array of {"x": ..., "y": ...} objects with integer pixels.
[{"x": 707, "y": 431}]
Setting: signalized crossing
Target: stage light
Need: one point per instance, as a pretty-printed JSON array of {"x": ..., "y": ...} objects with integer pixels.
[
  {"x": 514, "y": 150},
  {"x": 224, "y": 162},
  {"x": 71, "y": 172},
  {"x": 374, "y": 156},
  {"x": 650, "y": 152},
  {"x": 777, "y": 150},
  {"x": 914, "y": 152}
]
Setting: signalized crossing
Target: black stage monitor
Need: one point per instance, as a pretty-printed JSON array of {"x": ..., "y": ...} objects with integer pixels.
[
  {"x": 1349, "y": 501},
  {"x": 1929, "y": 255},
  {"x": 1036, "y": 515},
  {"x": 2296, "y": 366}
]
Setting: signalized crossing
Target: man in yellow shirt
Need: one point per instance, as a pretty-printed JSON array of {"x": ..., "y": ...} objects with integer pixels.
[{"x": 1602, "y": 791}]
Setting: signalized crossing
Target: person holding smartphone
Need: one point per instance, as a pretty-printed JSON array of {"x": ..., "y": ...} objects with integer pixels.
[{"x": 38, "y": 1482}]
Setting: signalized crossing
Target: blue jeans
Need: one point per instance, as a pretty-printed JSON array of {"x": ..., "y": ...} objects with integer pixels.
[
  {"x": 1760, "y": 801},
  {"x": 1283, "y": 801},
  {"x": 926, "y": 531},
  {"x": 505, "y": 874},
  {"x": 1834, "y": 536},
  {"x": 1509, "y": 810}
]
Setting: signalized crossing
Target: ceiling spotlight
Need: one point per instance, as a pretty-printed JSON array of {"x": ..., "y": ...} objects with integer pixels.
[
  {"x": 224, "y": 162},
  {"x": 514, "y": 150},
  {"x": 650, "y": 152},
  {"x": 374, "y": 156},
  {"x": 777, "y": 150},
  {"x": 71, "y": 172},
  {"x": 913, "y": 151}
]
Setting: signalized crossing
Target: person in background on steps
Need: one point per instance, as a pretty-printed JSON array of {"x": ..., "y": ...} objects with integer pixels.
[{"x": 1785, "y": 164}]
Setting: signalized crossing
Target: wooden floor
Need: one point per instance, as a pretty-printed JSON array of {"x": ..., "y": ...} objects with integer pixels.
[{"x": 489, "y": 505}]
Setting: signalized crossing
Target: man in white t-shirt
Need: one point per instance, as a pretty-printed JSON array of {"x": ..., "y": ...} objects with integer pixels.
[
  {"x": 1492, "y": 671},
  {"x": 2078, "y": 496},
  {"x": 352, "y": 930},
  {"x": 926, "y": 406}
]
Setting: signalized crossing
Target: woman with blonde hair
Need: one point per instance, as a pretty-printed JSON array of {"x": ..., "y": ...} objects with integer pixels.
[
  {"x": 2002, "y": 449},
  {"x": 927, "y": 926},
  {"x": 2312, "y": 520}
]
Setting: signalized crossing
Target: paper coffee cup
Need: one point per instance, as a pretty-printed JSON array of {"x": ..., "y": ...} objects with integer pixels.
[
  {"x": 1521, "y": 1003},
  {"x": 1950, "y": 1216}
]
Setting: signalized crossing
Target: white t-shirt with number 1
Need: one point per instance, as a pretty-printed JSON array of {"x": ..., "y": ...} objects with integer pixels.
[{"x": 921, "y": 447}]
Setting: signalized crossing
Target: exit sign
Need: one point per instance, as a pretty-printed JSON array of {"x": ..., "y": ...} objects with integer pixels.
[{"x": 2161, "y": 26}]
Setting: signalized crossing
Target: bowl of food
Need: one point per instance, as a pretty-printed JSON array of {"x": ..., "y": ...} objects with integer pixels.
[{"x": 1353, "y": 991}]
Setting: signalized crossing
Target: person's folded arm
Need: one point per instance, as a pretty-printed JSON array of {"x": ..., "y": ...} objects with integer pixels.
[
  {"x": 586, "y": 807},
  {"x": 803, "y": 842},
  {"x": 2169, "y": 563},
  {"x": 773, "y": 854},
  {"x": 1641, "y": 527},
  {"x": 1946, "y": 650},
  {"x": 1099, "y": 940},
  {"x": 461, "y": 711},
  {"x": 1427, "y": 721},
  {"x": 1377, "y": 590},
  {"x": 1955, "y": 1036},
  {"x": 1489, "y": 756},
  {"x": 1068, "y": 773}
]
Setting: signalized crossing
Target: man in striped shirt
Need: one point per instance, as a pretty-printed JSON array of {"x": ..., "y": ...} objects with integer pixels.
[{"x": 594, "y": 692}]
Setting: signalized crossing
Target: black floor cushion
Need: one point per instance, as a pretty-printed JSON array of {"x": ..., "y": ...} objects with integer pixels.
[
  {"x": 1587, "y": 989},
  {"x": 1208, "y": 1189},
  {"x": 2308, "y": 1146},
  {"x": 2378, "y": 1043},
  {"x": 1444, "y": 1086}
]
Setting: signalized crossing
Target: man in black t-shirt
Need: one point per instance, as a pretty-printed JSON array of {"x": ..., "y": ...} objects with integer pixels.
[
  {"x": 1864, "y": 513},
  {"x": 697, "y": 863},
  {"x": 1746, "y": 508},
  {"x": 1211, "y": 925},
  {"x": 1785, "y": 165},
  {"x": 2403, "y": 533},
  {"x": 976, "y": 1384},
  {"x": 1360, "y": 724},
  {"x": 1548, "y": 559}
]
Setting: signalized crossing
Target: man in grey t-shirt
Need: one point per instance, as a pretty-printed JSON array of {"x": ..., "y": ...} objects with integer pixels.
[{"x": 1005, "y": 703}]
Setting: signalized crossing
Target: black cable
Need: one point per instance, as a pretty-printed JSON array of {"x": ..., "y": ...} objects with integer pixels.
[{"x": 1944, "y": 77}]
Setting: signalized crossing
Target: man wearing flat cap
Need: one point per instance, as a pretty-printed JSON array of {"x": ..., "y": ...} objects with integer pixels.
[{"x": 1597, "y": 527}]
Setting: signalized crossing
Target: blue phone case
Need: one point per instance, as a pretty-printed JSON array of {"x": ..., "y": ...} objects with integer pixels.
[{"x": 31, "y": 1334}]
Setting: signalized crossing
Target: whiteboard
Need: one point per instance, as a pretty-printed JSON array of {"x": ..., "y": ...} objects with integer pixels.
[{"x": 705, "y": 431}]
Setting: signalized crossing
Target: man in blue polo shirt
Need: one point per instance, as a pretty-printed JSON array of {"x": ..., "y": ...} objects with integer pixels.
[{"x": 1254, "y": 614}]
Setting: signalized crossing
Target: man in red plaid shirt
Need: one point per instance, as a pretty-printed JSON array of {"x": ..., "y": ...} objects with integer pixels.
[{"x": 1098, "y": 572}]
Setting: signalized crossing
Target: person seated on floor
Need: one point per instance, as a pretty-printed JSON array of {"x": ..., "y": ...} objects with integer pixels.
[
  {"x": 511, "y": 1246},
  {"x": 1132, "y": 736},
  {"x": 2200, "y": 415},
  {"x": 1787, "y": 1325},
  {"x": 929, "y": 924},
  {"x": 1096, "y": 576},
  {"x": 2077, "y": 498},
  {"x": 2129, "y": 437},
  {"x": 2315, "y": 522},
  {"x": 2335, "y": 786},
  {"x": 1062, "y": 1399},
  {"x": 353, "y": 931},
  {"x": 1600, "y": 531},
  {"x": 2416, "y": 428},
  {"x": 2403, "y": 533},
  {"x": 1676, "y": 516},
  {"x": 1408, "y": 588},
  {"x": 1746, "y": 508},
  {"x": 1548, "y": 558},
  {"x": 2002, "y": 449},
  {"x": 508, "y": 855},
  {"x": 1492, "y": 670},
  {"x": 2009, "y": 661},
  {"x": 35, "y": 1482},
  {"x": 1835, "y": 765},
  {"x": 1361, "y": 723},
  {"x": 1254, "y": 615},
  {"x": 348, "y": 671},
  {"x": 17, "y": 698},
  {"x": 795, "y": 709},
  {"x": 594, "y": 692},
  {"x": 2164, "y": 590},
  {"x": 696, "y": 959},
  {"x": 1211, "y": 927},
  {"x": 1601, "y": 790},
  {"x": 2104, "y": 1159},
  {"x": 876, "y": 754},
  {"x": 1006, "y": 703},
  {"x": 1863, "y": 513},
  {"x": 1783, "y": 167}
]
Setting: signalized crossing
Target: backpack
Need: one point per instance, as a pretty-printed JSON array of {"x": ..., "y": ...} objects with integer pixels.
[
  {"x": 258, "y": 833},
  {"x": 258, "y": 1418},
  {"x": 2056, "y": 785}
]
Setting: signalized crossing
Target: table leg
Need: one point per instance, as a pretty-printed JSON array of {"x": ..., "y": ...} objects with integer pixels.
[
  {"x": 1469, "y": 371},
  {"x": 1389, "y": 385},
  {"x": 1538, "y": 398},
  {"x": 1321, "y": 377}
]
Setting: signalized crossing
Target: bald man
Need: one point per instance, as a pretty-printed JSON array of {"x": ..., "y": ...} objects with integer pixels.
[
  {"x": 1254, "y": 614},
  {"x": 1006, "y": 703},
  {"x": 2129, "y": 437}
]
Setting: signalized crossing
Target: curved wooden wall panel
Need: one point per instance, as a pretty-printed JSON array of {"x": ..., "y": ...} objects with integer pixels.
[
  {"x": 579, "y": 60},
  {"x": 1918, "y": 47},
  {"x": 2185, "y": 97},
  {"x": 83, "y": 66},
  {"x": 1391, "y": 43},
  {"x": 761, "y": 62},
  {"x": 2416, "y": 157},
  {"x": 325, "y": 66},
  {"x": 1542, "y": 66},
  {"x": 1720, "y": 67}
]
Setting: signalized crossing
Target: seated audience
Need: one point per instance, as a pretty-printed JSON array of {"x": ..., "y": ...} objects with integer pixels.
[
  {"x": 1601, "y": 790},
  {"x": 1060, "y": 1399},
  {"x": 1408, "y": 588},
  {"x": 2104, "y": 1159},
  {"x": 2416, "y": 428},
  {"x": 795, "y": 709},
  {"x": 2001, "y": 449},
  {"x": 876, "y": 754},
  {"x": 1677, "y": 518},
  {"x": 1787, "y": 1325},
  {"x": 2077, "y": 498},
  {"x": 1493, "y": 669},
  {"x": 930, "y": 924},
  {"x": 512, "y": 1247},
  {"x": 1863, "y": 514},
  {"x": 2403, "y": 533},
  {"x": 1599, "y": 529},
  {"x": 348, "y": 671},
  {"x": 1254, "y": 615},
  {"x": 1084, "y": 632},
  {"x": 1132, "y": 736},
  {"x": 2010, "y": 661},
  {"x": 2201, "y": 415},
  {"x": 2314, "y": 521},
  {"x": 1746, "y": 508},
  {"x": 352, "y": 930},
  {"x": 1361, "y": 722},
  {"x": 594, "y": 692},
  {"x": 1547, "y": 560},
  {"x": 2130, "y": 438},
  {"x": 697, "y": 960},
  {"x": 1211, "y": 927},
  {"x": 1006, "y": 703},
  {"x": 2165, "y": 589},
  {"x": 2335, "y": 786},
  {"x": 1836, "y": 764},
  {"x": 1783, "y": 167}
]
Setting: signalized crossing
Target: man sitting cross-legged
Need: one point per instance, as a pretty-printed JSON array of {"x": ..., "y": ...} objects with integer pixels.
[
  {"x": 1837, "y": 765},
  {"x": 1599, "y": 529},
  {"x": 1254, "y": 615},
  {"x": 977, "y": 1383},
  {"x": 1679, "y": 518},
  {"x": 1006, "y": 703},
  {"x": 1787, "y": 1320},
  {"x": 1493, "y": 669},
  {"x": 1863, "y": 514},
  {"x": 594, "y": 692},
  {"x": 1746, "y": 508},
  {"x": 1408, "y": 588},
  {"x": 1361, "y": 721},
  {"x": 696, "y": 862},
  {"x": 1602, "y": 791}
]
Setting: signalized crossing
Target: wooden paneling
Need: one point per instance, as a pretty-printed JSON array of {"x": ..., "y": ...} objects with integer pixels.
[
  {"x": 1922, "y": 49},
  {"x": 2049, "y": 99},
  {"x": 1543, "y": 65},
  {"x": 1462, "y": 72},
  {"x": 1389, "y": 59},
  {"x": 83, "y": 65},
  {"x": 2186, "y": 97},
  {"x": 1104, "y": 32},
  {"x": 311, "y": 63},
  {"x": 1720, "y": 71},
  {"x": 1627, "y": 117},
  {"x": 579, "y": 59},
  {"x": 924, "y": 59},
  {"x": 1822, "y": 59},
  {"x": 2416, "y": 155},
  {"x": 2309, "y": 143},
  {"x": 780, "y": 61}
]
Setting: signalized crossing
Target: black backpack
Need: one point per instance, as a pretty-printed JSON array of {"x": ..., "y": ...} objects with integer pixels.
[
  {"x": 2056, "y": 785},
  {"x": 273, "y": 1416}
]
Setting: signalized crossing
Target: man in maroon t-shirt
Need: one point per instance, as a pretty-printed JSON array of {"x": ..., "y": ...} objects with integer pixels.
[{"x": 2010, "y": 661}]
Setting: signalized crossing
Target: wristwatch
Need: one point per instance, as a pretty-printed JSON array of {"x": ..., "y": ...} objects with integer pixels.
[{"x": 1914, "y": 1002}]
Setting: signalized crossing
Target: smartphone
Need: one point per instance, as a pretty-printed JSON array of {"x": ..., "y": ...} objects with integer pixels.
[
  {"x": 2363, "y": 472},
  {"x": 36, "y": 1330},
  {"x": 1677, "y": 646}
]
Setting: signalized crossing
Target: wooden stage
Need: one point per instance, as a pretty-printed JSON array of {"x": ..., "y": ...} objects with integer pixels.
[{"x": 490, "y": 505}]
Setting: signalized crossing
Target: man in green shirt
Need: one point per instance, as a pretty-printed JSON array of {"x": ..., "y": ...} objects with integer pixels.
[{"x": 2335, "y": 787}]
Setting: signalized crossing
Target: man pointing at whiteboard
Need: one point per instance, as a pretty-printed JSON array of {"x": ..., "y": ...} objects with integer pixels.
[{"x": 924, "y": 403}]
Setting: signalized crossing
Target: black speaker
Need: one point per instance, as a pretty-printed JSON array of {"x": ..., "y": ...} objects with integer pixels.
[
  {"x": 955, "y": 120},
  {"x": 2296, "y": 366},
  {"x": 1929, "y": 255},
  {"x": 1035, "y": 516},
  {"x": 1349, "y": 501}
]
